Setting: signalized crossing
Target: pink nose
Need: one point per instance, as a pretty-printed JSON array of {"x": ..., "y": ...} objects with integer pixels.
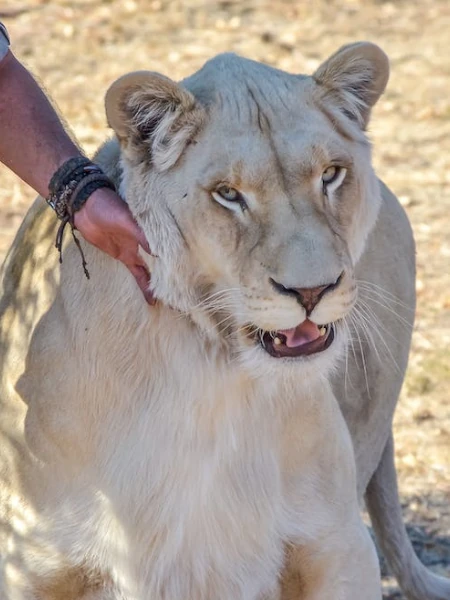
[
  {"x": 310, "y": 297},
  {"x": 307, "y": 297}
]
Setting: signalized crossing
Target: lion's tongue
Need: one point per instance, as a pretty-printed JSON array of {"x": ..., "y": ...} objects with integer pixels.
[{"x": 302, "y": 334}]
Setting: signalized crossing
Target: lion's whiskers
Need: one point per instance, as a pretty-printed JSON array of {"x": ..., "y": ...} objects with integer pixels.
[
  {"x": 211, "y": 298},
  {"x": 364, "y": 319},
  {"x": 352, "y": 317},
  {"x": 383, "y": 293},
  {"x": 350, "y": 339},
  {"x": 377, "y": 327}
]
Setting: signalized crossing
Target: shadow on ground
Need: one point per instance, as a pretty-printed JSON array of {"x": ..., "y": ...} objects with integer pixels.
[{"x": 429, "y": 535}]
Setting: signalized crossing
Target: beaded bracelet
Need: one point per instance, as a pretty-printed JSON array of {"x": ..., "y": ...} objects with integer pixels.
[{"x": 69, "y": 188}]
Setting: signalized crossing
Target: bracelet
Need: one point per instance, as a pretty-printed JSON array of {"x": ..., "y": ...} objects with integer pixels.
[
  {"x": 69, "y": 188},
  {"x": 86, "y": 187},
  {"x": 64, "y": 182}
]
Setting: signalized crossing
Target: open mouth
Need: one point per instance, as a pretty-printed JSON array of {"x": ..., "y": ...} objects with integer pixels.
[{"x": 303, "y": 340}]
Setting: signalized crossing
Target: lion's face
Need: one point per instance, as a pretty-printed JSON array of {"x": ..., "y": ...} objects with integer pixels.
[{"x": 256, "y": 191}]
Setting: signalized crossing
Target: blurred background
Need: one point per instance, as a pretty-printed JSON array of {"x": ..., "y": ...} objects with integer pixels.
[{"x": 77, "y": 48}]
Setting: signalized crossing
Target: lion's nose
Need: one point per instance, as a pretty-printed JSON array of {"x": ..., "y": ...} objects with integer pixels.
[{"x": 308, "y": 297}]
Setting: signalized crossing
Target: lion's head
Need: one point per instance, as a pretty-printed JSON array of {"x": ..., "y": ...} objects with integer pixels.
[{"x": 256, "y": 191}]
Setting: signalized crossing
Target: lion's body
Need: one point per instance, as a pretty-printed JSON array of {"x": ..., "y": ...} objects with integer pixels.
[
  {"x": 152, "y": 453},
  {"x": 217, "y": 476}
]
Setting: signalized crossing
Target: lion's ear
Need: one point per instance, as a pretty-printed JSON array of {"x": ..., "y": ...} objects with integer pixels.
[
  {"x": 153, "y": 117},
  {"x": 353, "y": 79}
]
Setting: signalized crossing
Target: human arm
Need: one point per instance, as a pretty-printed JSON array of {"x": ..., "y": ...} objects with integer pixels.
[{"x": 34, "y": 144}]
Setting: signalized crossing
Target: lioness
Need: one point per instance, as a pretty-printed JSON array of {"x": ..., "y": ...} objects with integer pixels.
[{"x": 196, "y": 450}]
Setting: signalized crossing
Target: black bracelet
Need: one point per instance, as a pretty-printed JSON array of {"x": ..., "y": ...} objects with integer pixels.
[
  {"x": 63, "y": 173},
  {"x": 64, "y": 182},
  {"x": 69, "y": 188},
  {"x": 86, "y": 187}
]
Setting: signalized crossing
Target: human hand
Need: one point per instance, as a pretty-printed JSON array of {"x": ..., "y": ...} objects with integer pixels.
[{"x": 106, "y": 222}]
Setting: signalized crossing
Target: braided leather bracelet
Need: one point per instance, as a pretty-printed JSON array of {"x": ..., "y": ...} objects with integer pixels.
[{"x": 69, "y": 188}]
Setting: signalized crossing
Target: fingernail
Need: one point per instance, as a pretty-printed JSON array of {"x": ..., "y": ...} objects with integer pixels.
[
  {"x": 150, "y": 297},
  {"x": 148, "y": 251}
]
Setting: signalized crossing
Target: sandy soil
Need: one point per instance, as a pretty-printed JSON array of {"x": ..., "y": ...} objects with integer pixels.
[{"x": 77, "y": 48}]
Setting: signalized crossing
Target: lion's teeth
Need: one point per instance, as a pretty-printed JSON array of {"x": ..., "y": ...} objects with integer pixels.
[
  {"x": 277, "y": 341},
  {"x": 322, "y": 331}
]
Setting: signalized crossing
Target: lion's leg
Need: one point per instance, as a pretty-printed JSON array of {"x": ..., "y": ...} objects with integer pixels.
[
  {"x": 332, "y": 556},
  {"x": 345, "y": 567},
  {"x": 86, "y": 590},
  {"x": 416, "y": 581},
  {"x": 103, "y": 594},
  {"x": 68, "y": 583}
]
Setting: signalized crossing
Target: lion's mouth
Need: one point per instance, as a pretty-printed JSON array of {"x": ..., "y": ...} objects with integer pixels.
[{"x": 303, "y": 340}]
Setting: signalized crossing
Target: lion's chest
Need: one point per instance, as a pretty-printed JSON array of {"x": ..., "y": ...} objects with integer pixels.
[{"x": 201, "y": 504}]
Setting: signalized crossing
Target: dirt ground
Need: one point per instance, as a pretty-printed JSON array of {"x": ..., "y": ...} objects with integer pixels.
[{"x": 77, "y": 48}]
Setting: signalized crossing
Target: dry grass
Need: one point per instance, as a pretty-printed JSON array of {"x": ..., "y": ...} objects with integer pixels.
[{"x": 77, "y": 48}]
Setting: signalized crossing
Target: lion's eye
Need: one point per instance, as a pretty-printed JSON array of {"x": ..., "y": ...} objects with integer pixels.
[
  {"x": 228, "y": 193},
  {"x": 332, "y": 177},
  {"x": 229, "y": 197},
  {"x": 330, "y": 174}
]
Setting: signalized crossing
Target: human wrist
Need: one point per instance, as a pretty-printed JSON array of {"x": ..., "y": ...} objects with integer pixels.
[
  {"x": 85, "y": 219},
  {"x": 72, "y": 184},
  {"x": 69, "y": 189}
]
